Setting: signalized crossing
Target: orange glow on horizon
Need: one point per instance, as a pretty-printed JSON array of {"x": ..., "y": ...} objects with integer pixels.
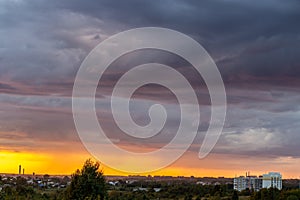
[
  {"x": 40, "y": 163},
  {"x": 55, "y": 163},
  {"x": 10, "y": 161}
]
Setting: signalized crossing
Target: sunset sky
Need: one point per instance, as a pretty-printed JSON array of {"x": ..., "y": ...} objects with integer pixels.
[{"x": 255, "y": 44}]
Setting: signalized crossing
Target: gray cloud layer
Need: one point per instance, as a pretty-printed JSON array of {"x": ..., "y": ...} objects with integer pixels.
[{"x": 255, "y": 45}]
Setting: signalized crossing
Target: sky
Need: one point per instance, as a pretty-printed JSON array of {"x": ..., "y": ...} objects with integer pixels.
[{"x": 255, "y": 44}]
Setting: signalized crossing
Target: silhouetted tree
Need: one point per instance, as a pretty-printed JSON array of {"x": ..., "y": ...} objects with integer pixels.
[
  {"x": 87, "y": 183},
  {"x": 235, "y": 195}
]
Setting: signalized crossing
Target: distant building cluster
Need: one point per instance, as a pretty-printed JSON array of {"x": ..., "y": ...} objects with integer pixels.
[
  {"x": 255, "y": 183},
  {"x": 37, "y": 181}
]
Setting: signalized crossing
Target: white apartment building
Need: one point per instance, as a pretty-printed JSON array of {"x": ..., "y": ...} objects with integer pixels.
[
  {"x": 239, "y": 183},
  {"x": 247, "y": 182},
  {"x": 272, "y": 179},
  {"x": 254, "y": 183}
]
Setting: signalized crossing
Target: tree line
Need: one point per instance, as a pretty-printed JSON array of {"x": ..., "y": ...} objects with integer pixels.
[{"x": 89, "y": 183}]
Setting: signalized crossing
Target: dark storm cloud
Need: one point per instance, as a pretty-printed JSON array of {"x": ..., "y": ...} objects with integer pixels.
[
  {"x": 254, "y": 43},
  {"x": 258, "y": 39}
]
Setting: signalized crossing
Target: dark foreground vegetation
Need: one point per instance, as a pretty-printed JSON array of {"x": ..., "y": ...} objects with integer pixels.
[{"x": 89, "y": 184}]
